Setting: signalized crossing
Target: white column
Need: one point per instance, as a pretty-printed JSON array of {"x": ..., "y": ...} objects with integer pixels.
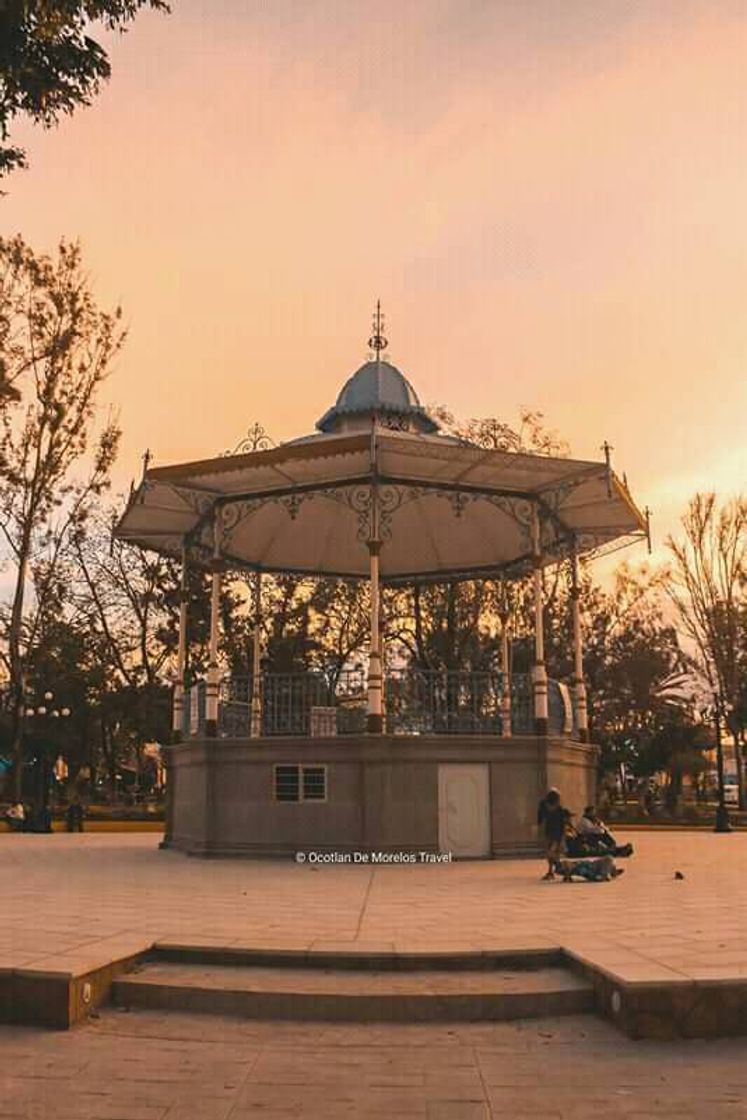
[
  {"x": 579, "y": 685},
  {"x": 539, "y": 674},
  {"x": 506, "y": 685},
  {"x": 180, "y": 686},
  {"x": 375, "y": 715},
  {"x": 255, "y": 725},
  {"x": 213, "y": 676}
]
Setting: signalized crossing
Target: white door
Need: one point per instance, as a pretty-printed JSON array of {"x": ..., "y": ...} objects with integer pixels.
[{"x": 464, "y": 809}]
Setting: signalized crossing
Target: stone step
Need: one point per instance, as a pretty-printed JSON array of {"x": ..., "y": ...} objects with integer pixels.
[
  {"x": 348, "y": 957},
  {"x": 357, "y": 996}
]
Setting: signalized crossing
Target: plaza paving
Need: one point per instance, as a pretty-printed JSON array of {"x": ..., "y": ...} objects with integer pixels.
[
  {"x": 82, "y": 897},
  {"x": 151, "y": 1066},
  {"x": 71, "y": 899}
]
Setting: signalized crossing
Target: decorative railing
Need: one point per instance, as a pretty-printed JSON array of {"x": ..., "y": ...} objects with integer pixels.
[{"x": 417, "y": 702}]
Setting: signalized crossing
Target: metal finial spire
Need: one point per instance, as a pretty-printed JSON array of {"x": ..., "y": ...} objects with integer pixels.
[
  {"x": 377, "y": 342},
  {"x": 146, "y": 457},
  {"x": 607, "y": 448}
]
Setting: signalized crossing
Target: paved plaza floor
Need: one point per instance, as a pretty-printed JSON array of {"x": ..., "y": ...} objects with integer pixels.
[
  {"x": 75, "y": 898},
  {"x": 155, "y": 1066},
  {"x": 80, "y": 896}
]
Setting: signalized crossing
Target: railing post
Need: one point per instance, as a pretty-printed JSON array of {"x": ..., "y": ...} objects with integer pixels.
[
  {"x": 213, "y": 676},
  {"x": 375, "y": 713},
  {"x": 539, "y": 672},
  {"x": 579, "y": 686},
  {"x": 505, "y": 681},
  {"x": 255, "y": 717},
  {"x": 180, "y": 686}
]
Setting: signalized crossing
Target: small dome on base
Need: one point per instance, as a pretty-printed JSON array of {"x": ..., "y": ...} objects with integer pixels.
[{"x": 378, "y": 389}]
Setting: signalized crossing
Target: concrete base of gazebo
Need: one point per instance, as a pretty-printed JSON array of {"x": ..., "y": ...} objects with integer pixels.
[{"x": 370, "y": 798}]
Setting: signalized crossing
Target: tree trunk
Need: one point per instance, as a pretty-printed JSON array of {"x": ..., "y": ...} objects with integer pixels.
[
  {"x": 15, "y": 657},
  {"x": 110, "y": 761},
  {"x": 734, "y": 730},
  {"x": 738, "y": 735}
]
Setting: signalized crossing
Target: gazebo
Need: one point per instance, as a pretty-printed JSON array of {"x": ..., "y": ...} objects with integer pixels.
[{"x": 377, "y": 493}]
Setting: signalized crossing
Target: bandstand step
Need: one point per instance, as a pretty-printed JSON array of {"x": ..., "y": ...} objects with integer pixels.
[
  {"x": 350, "y": 957},
  {"x": 313, "y": 993}
]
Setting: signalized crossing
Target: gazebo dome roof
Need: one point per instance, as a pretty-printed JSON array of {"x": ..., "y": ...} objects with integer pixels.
[{"x": 377, "y": 388}]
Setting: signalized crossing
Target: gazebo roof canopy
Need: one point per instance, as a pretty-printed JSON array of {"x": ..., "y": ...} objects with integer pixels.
[{"x": 440, "y": 507}]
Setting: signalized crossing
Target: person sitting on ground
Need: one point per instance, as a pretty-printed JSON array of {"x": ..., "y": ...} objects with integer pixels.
[
  {"x": 593, "y": 838},
  {"x": 16, "y": 817},
  {"x": 600, "y": 870},
  {"x": 552, "y": 818}
]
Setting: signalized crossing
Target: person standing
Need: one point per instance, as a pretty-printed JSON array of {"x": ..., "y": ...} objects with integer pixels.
[
  {"x": 552, "y": 818},
  {"x": 74, "y": 816}
]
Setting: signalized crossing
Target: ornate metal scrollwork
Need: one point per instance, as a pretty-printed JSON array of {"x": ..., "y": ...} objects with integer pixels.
[
  {"x": 256, "y": 439},
  {"x": 198, "y": 501},
  {"x": 390, "y": 499},
  {"x": 553, "y": 501},
  {"x": 395, "y": 422},
  {"x": 233, "y": 513},
  {"x": 361, "y": 500},
  {"x": 457, "y": 499},
  {"x": 292, "y": 504},
  {"x": 519, "y": 510}
]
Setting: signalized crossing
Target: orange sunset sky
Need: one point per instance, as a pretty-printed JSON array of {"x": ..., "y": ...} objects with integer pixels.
[{"x": 548, "y": 196}]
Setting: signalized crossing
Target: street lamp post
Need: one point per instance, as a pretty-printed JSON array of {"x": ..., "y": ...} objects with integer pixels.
[
  {"x": 723, "y": 823},
  {"x": 45, "y": 768}
]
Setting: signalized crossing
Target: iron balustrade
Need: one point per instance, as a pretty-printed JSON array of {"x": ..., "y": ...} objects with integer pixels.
[
  {"x": 417, "y": 702},
  {"x": 288, "y": 701}
]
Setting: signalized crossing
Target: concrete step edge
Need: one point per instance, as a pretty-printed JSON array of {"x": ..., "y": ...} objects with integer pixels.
[
  {"x": 384, "y": 1006},
  {"x": 478, "y": 960}
]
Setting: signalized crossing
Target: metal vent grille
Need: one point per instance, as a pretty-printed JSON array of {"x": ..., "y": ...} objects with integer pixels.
[
  {"x": 287, "y": 786},
  {"x": 300, "y": 783},
  {"x": 314, "y": 783}
]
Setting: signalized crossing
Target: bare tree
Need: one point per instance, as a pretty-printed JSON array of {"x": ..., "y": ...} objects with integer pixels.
[
  {"x": 127, "y": 597},
  {"x": 531, "y": 436},
  {"x": 56, "y": 350},
  {"x": 708, "y": 585}
]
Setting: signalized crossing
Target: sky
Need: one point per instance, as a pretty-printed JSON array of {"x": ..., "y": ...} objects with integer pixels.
[{"x": 548, "y": 196}]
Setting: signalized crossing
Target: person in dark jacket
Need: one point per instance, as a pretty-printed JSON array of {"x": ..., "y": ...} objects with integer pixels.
[
  {"x": 552, "y": 818},
  {"x": 74, "y": 817},
  {"x": 542, "y": 807}
]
